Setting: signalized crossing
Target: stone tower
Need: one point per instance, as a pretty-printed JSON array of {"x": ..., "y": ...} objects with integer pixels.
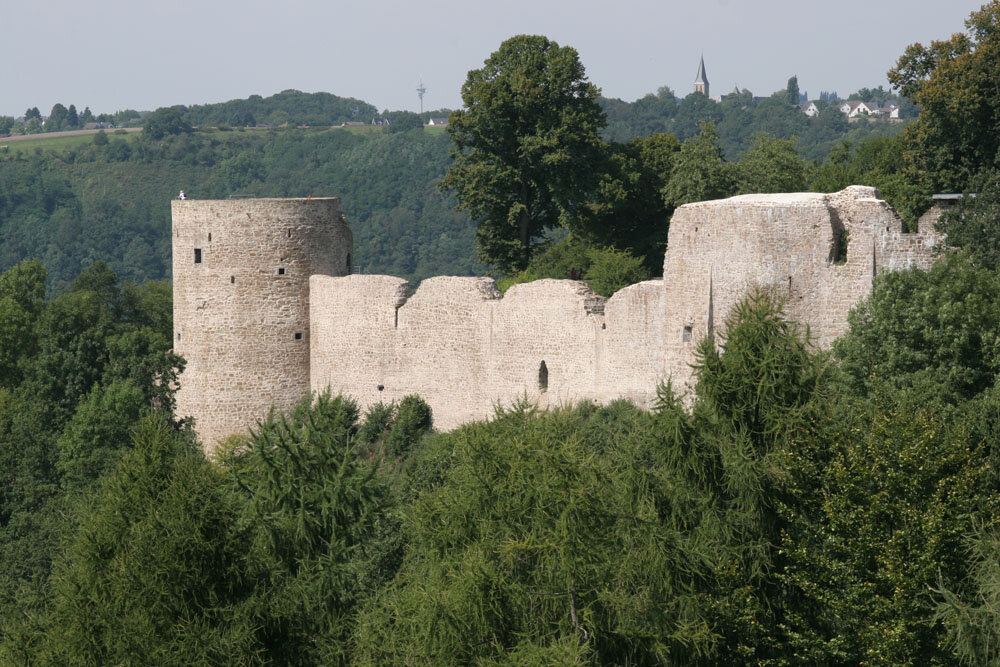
[
  {"x": 241, "y": 273},
  {"x": 700, "y": 79}
]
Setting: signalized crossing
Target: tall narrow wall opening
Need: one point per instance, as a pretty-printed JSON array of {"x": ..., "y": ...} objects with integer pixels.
[{"x": 840, "y": 239}]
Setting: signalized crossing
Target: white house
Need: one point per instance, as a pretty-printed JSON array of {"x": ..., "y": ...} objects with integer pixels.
[
  {"x": 889, "y": 111},
  {"x": 810, "y": 109},
  {"x": 854, "y": 108}
]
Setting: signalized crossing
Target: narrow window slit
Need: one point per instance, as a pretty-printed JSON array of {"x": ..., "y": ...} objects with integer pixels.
[
  {"x": 686, "y": 335},
  {"x": 232, "y": 280},
  {"x": 543, "y": 377},
  {"x": 197, "y": 255}
]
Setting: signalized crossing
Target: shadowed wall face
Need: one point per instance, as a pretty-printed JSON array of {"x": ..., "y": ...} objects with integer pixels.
[{"x": 241, "y": 273}]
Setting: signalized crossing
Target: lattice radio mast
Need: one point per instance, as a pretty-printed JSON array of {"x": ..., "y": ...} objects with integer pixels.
[{"x": 420, "y": 93}]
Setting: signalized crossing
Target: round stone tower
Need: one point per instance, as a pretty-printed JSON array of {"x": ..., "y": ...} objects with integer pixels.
[{"x": 241, "y": 272}]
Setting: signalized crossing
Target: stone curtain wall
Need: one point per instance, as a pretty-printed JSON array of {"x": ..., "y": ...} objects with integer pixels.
[
  {"x": 238, "y": 312},
  {"x": 465, "y": 348}
]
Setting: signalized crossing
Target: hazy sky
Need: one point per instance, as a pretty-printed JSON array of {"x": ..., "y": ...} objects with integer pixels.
[{"x": 114, "y": 54}]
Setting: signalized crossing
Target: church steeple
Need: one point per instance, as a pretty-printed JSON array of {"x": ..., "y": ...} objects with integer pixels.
[{"x": 701, "y": 79}]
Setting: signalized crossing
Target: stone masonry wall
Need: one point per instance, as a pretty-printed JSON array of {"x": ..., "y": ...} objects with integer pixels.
[
  {"x": 465, "y": 348},
  {"x": 718, "y": 250},
  {"x": 241, "y": 314}
]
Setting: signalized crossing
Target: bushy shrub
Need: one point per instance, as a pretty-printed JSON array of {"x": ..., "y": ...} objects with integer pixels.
[{"x": 413, "y": 420}]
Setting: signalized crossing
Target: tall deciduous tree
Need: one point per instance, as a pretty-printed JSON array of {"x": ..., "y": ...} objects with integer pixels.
[
  {"x": 974, "y": 225},
  {"x": 525, "y": 146},
  {"x": 165, "y": 121},
  {"x": 955, "y": 83},
  {"x": 57, "y": 118},
  {"x": 699, "y": 171},
  {"x": 934, "y": 334},
  {"x": 772, "y": 165},
  {"x": 628, "y": 212}
]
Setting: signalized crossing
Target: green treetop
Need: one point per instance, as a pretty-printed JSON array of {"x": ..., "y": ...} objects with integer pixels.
[
  {"x": 524, "y": 146},
  {"x": 955, "y": 84}
]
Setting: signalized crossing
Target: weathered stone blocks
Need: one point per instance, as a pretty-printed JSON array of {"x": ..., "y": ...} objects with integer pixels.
[
  {"x": 463, "y": 347},
  {"x": 241, "y": 273}
]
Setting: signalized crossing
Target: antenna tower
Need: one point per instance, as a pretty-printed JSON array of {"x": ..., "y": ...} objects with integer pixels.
[{"x": 420, "y": 93}]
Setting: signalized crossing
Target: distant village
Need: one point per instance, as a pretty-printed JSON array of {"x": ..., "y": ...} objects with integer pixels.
[{"x": 853, "y": 109}]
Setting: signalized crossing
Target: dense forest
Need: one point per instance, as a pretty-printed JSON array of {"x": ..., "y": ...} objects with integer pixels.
[
  {"x": 794, "y": 506},
  {"x": 804, "y": 508},
  {"x": 109, "y": 200}
]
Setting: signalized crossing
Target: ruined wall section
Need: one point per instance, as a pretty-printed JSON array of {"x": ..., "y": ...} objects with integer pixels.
[
  {"x": 821, "y": 252},
  {"x": 719, "y": 250},
  {"x": 268, "y": 312},
  {"x": 465, "y": 349},
  {"x": 632, "y": 343},
  {"x": 876, "y": 243},
  {"x": 241, "y": 272},
  {"x": 441, "y": 347}
]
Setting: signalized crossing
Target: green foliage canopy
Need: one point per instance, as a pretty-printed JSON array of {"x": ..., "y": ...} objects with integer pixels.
[
  {"x": 954, "y": 82},
  {"x": 524, "y": 147}
]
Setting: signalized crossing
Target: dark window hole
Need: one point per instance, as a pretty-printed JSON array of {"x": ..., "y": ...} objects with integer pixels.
[
  {"x": 686, "y": 335},
  {"x": 281, "y": 271},
  {"x": 232, "y": 280},
  {"x": 543, "y": 377},
  {"x": 298, "y": 335},
  {"x": 210, "y": 237},
  {"x": 197, "y": 255},
  {"x": 381, "y": 387}
]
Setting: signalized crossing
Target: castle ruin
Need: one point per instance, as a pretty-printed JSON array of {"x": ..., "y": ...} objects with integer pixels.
[{"x": 265, "y": 308}]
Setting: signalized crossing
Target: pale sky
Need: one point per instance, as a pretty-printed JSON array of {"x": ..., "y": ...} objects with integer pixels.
[{"x": 114, "y": 54}]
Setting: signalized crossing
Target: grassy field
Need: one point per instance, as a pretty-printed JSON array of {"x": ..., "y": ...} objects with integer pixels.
[
  {"x": 59, "y": 142},
  {"x": 49, "y": 142}
]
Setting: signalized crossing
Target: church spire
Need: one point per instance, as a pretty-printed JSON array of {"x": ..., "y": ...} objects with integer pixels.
[{"x": 701, "y": 79}]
